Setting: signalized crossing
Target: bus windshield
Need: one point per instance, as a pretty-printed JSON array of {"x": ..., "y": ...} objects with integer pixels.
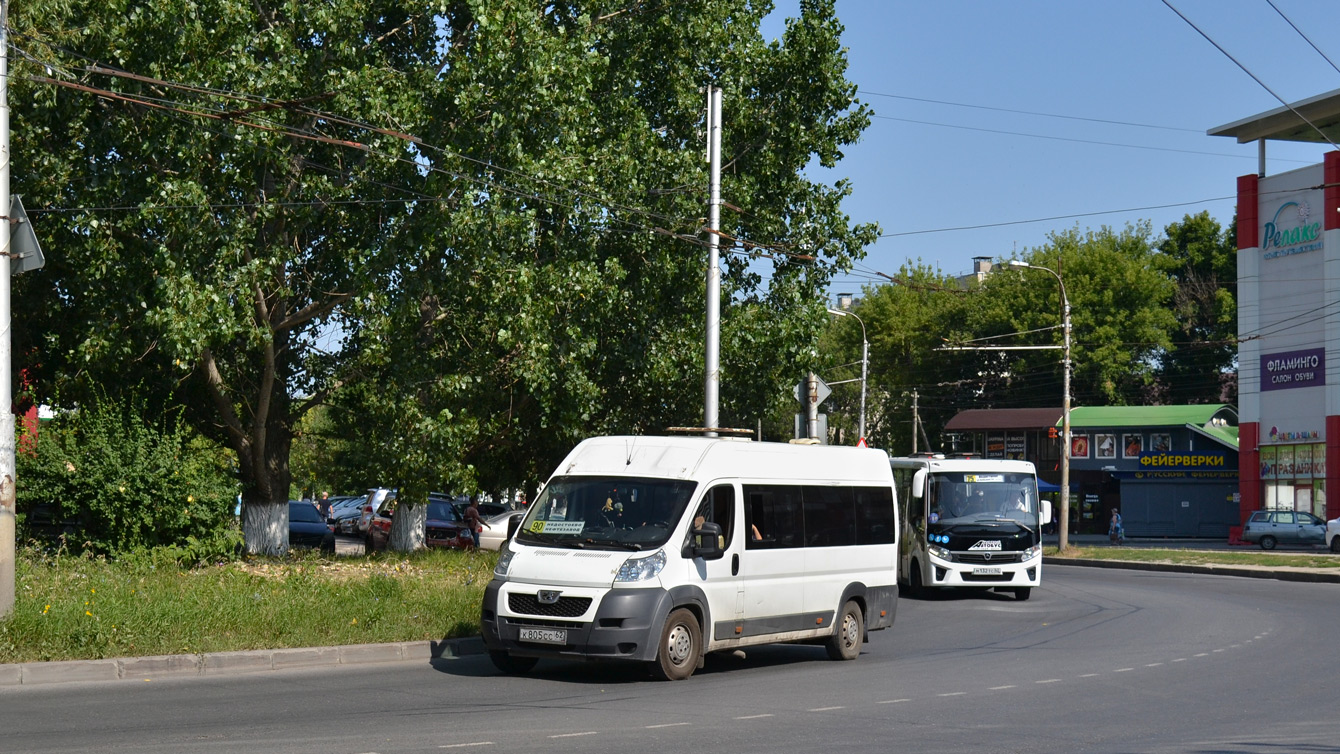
[
  {"x": 626, "y": 513},
  {"x": 968, "y": 497}
]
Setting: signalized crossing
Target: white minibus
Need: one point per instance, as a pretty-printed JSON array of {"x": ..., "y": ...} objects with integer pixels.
[
  {"x": 970, "y": 522},
  {"x": 661, "y": 549}
]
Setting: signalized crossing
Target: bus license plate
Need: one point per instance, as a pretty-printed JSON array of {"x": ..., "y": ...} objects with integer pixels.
[
  {"x": 986, "y": 571},
  {"x": 544, "y": 635}
]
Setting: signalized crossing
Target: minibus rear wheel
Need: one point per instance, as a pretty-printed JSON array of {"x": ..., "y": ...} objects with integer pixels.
[
  {"x": 845, "y": 643},
  {"x": 681, "y": 647}
]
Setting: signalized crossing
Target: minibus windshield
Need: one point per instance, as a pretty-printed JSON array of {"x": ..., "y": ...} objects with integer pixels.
[
  {"x": 954, "y": 498},
  {"x": 626, "y": 513}
]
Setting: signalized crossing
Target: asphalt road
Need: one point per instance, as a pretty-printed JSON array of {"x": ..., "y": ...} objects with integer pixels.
[{"x": 1098, "y": 661}]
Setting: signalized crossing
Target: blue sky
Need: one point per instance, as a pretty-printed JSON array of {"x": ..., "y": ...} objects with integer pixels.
[{"x": 1132, "y": 61}]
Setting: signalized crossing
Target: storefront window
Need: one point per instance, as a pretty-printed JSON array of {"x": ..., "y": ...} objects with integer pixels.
[{"x": 1293, "y": 477}]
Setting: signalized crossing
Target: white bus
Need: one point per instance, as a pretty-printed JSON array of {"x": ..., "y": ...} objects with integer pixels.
[
  {"x": 970, "y": 522},
  {"x": 661, "y": 549}
]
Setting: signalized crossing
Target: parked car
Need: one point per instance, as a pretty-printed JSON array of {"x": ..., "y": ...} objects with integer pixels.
[
  {"x": 306, "y": 528},
  {"x": 1271, "y": 527},
  {"x": 501, "y": 527},
  {"x": 344, "y": 514},
  {"x": 1333, "y": 534},
  {"x": 443, "y": 528},
  {"x": 376, "y": 498}
]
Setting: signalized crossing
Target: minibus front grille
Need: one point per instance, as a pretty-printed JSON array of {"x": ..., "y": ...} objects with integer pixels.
[
  {"x": 565, "y": 607},
  {"x": 986, "y": 558}
]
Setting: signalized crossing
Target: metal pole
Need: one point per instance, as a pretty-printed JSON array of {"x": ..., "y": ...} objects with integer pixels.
[
  {"x": 865, "y": 361},
  {"x": 6, "y": 390},
  {"x": 712, "y": 387},
  {"x": 1064, "y": 528}
]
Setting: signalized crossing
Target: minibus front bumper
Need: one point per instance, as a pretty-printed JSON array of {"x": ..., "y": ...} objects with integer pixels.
[{"x": 626, "y": 625}]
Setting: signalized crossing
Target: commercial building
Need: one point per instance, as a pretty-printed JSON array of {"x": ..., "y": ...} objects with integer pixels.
[{"x": 1289, "y": 314}]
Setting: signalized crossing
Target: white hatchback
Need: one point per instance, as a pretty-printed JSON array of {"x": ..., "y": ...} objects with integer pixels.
[{"x": 1333, "y": 534}]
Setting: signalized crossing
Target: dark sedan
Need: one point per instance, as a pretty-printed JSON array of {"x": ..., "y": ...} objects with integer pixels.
[{"x": 306, "y": 528}]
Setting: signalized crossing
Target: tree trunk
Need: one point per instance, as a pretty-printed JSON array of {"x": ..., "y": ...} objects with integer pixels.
[
  {"x": 265, "y": 527},
  {"x": 408, "y": 527}
]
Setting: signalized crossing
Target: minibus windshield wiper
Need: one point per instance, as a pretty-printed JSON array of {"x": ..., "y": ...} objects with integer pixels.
[{"x": 632, "y": 546}]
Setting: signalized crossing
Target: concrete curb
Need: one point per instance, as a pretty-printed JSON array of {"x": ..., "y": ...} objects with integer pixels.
[
  {"x": 1308, "y": 576},
  {"x": 233, "y": 663}
]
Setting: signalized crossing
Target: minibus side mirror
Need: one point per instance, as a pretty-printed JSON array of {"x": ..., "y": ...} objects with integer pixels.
[
  {"x": 705, "y": 542},
  {"x": 919, "y": 483},
  {"x": 1046, "y": 513}
]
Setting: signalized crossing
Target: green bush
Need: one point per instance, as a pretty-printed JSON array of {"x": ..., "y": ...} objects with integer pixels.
[{"x": 112, "y": 481}]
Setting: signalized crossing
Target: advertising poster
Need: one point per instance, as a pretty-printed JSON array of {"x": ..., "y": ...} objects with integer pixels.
[
  {"x": 1079, "y": 446},
  {"x": 1302, "y": 463},
  {"x": 1014, "y": 446},
  {"x": 995, "y": 446},
  {"x": 1161, "y": 442},
  {"x": 1269, "y": 467},
  {"x": 1131, "y": 445},
  {"x": 1104, "y": 446}
]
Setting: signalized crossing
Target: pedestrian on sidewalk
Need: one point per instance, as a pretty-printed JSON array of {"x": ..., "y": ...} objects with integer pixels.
[{"x": 1115, "y": 532}]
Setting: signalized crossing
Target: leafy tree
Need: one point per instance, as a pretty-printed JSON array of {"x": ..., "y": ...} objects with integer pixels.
[
  {"x": 212, "y": 223},
  {"x": 1120, "y": 323},
  {"x": 508, "y": 279},
  {"x": 1199, "y": 366}
]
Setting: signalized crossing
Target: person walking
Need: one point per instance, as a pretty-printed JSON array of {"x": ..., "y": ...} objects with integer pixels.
[
  {"x": 1115, "y": 533},
  {"x": 473, "y": 521}
]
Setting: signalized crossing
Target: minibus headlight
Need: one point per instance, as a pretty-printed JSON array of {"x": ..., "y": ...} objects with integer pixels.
[
  {"x": 641, "y": 569},
  {"x": 504, "y": 561},
  {"x": 1033, "y": 552},
  {"x": 939, "y": 552}
]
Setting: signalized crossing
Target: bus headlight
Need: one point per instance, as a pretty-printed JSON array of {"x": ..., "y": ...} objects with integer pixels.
[
  {"x": 504, "y": 561},
  {"x": 942, "y": 553},
  {"x": 641, "y": 569},
  {"x": 1033, "y": 552}
]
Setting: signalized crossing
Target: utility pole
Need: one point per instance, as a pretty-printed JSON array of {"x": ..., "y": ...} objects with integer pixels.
[
  {"x": 7, "y": 474},
  {"x": 916, "y": 421},
  {"x": 712, "y": 362}
]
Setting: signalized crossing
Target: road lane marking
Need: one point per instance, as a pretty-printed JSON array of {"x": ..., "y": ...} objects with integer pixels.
[
  {"x": 1201, "y": 654},
  {"x": 1050, "y": 680},
  {"x": 572, "y": 735},
  {"x": 665, "y": 725},
  {"x": 754, "y": 717},
  {"x": 458, "y": 746},
  {"x": 1153, "y": 664},
  {"x": 824, "y": 709},
  {"x": 1000, "y": 688},
  {"x": 893, "y": 701},
  {"x": 1218, "y": 650},
  {"x": 1090, "y": 675},
  {"x": 953, "y": 693},
  {"x": 1123, "y": 670},
  {"x": 1180, "y": 659}
]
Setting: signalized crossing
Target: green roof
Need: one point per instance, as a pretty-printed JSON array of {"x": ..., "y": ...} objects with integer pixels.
[
  {"x": 1226, "y": 435},
  {"x": 1149, "y": 416}
]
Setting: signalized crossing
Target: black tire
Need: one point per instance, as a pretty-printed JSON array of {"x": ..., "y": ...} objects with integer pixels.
[
  {"x": 1268, "y": 542},
  {"x": 512, "y": 665},
  {"x": 1022, "y": 593},
  {"x": 681, "y": 647},
  {"x": 1335, "y": 543},
  {"x": 368, "y": 547},
  {"x": 914, "y": 588},
  {"x": 848, "y": 632}
]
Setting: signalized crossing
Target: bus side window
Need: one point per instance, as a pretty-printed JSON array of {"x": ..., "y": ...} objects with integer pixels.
[{"x": 718, "y": 507}]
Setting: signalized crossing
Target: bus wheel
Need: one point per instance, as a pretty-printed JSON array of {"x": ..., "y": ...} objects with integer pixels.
[
  {"x": 845, "y": 643},
  {"x": 1022, "y": 593},
  {"x": 914, "y": 589},
  {"x": 512, "y": 665},
  {"x": 680, "y": 649}
]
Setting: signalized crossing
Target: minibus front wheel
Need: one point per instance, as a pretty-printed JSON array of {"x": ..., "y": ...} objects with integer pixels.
[
  {"x": 681, "y": 647},
  {"x": 845, "y": 643}
]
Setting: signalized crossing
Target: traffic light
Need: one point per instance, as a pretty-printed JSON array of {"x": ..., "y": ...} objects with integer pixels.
[{"x": 1051, "y": 432}]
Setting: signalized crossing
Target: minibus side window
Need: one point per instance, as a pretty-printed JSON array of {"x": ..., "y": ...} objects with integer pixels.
[
  {"x": 718, "y": 507},
  {"x": 874, "y": 516},
  {"x": 830, "y": 519},
  {"x": 774, "y": 511}
]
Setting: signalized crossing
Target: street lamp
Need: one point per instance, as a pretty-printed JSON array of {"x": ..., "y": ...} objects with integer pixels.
[
  {"x": 865, "y": 361},
  {"x": 1064, "y": 528}
]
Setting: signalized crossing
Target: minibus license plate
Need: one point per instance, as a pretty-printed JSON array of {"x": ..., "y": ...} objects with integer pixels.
[
  {"x": 544, "y": 635},
  {"x": 986, "y": 571}
]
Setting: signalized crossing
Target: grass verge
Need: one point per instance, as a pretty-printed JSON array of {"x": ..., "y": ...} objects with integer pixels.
[
  {"x": 1201, "y": 557},
  {"x": 71, "y": 608}
]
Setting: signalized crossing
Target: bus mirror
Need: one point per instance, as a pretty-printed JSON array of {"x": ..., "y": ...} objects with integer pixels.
[
  {"x": 919, "y": 483},
  {"x": 1046, "y": 513},
  {"x": 707, "y": 542}
]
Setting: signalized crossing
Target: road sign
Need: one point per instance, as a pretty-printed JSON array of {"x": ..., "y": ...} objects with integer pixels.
[
  {"x": 822, "y": 391},
  {"x": 25, "y": 252}
]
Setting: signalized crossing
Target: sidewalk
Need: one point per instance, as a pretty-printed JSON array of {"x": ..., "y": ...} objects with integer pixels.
[{"x": 1280, "y": 573}]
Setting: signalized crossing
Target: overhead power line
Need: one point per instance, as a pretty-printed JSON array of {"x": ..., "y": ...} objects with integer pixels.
[{"x": 1030, "y": 112}]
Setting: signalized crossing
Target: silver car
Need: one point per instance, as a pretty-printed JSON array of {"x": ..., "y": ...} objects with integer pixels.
[{"x": 1271, "y": 527}]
